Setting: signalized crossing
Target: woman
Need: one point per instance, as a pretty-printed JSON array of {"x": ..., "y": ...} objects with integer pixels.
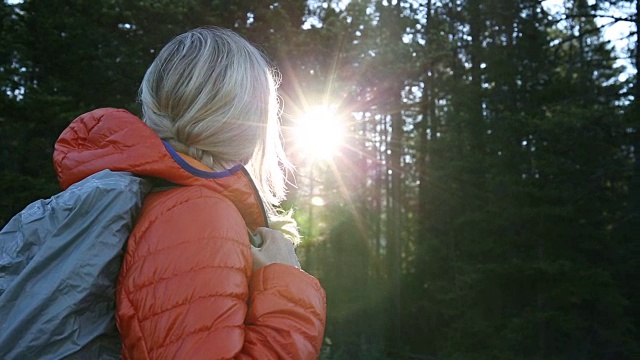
[{"x": 192, "y": 285}]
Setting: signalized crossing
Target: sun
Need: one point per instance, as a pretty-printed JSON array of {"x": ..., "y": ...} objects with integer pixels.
[{"x": 318, "y": 133}]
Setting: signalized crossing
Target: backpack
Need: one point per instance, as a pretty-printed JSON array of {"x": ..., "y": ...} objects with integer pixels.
[{"x": 59, "y": 263}]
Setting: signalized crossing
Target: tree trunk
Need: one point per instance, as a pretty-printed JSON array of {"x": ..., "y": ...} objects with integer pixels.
[
  {"x": 636, "y": 99},
  {"x": 394, "y": 238},
  {"x": 476, "y": 121}
]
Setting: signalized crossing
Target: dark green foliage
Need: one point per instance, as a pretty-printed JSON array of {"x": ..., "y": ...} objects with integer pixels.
[
  {"x": 487, "y": 201},
  {"x": 354, "y": 324}
]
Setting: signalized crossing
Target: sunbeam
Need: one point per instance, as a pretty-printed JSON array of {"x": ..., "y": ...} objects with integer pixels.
[{"x": 318, "y": 133}]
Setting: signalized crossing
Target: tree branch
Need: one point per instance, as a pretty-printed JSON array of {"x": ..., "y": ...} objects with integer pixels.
[{"x": 593, "y": 16}]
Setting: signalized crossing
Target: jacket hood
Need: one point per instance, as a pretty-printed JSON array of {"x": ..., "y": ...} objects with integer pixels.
[{"x": 117, "y": 140}]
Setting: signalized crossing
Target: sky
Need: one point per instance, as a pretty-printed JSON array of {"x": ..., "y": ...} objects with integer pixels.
[{"x": 616, "y": 32}]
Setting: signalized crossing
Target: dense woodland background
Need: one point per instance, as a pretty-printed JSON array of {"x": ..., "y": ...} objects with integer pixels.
[{"x": 486, "y": 204}]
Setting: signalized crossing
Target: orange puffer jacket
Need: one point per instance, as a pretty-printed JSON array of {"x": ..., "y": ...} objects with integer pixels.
[{"x": 186, "y": 289}]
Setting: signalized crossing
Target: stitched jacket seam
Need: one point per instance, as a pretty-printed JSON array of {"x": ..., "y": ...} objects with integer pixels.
[
  {"x": 157, "y": 281},
  {"x": 307, "y": 308},
  {"x": 191, "y": 301},
  {"x": 205, "y": 329},
  {"x": 190, "y": 240},
  {"x": 138, "y": 323}
]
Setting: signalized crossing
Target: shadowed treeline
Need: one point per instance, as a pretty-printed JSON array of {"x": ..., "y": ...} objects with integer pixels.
[{"x": 485, "y": 201}]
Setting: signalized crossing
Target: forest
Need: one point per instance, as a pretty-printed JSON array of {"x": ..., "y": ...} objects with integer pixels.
[{"x": 483, "y": 199}]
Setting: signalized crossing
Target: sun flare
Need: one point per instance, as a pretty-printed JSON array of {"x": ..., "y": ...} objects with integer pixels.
[{"x": 319, "y": 133}]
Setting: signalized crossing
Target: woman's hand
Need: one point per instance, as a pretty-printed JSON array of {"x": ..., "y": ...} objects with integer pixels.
[{"x": 275, "y": 249}]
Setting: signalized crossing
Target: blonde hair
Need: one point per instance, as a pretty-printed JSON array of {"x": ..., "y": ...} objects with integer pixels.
[{"x": 212, "y": 95}]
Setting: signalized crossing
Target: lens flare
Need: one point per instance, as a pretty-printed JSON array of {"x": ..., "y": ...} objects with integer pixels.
[{"x": 319, "y": 133}]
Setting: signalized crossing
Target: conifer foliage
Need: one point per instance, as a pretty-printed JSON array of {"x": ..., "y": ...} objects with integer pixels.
[{"x": 485, "y": 203}]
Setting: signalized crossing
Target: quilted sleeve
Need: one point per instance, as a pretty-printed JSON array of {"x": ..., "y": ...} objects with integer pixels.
[
  {"x": 186, "y": 290},
  {"x": 286, "y": 316}
]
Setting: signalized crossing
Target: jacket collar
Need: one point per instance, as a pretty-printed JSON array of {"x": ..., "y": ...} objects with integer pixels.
[{"x": 117, "y": 140}]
